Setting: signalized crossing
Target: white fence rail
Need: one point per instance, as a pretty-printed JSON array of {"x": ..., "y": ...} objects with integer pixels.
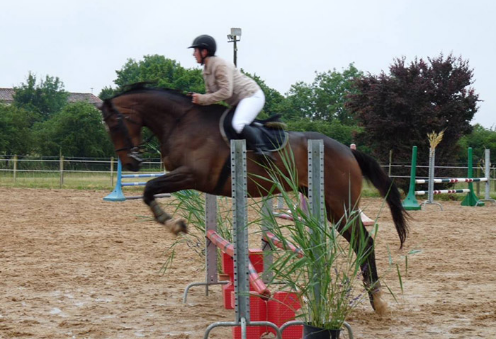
[{"x": 14, "y": 167}]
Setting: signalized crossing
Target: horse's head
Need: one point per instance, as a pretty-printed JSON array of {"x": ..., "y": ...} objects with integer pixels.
[{"x": 125, "y": 133}]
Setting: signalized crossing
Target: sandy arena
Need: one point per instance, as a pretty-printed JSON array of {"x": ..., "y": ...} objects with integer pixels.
[{"x": 74, "y": 266}]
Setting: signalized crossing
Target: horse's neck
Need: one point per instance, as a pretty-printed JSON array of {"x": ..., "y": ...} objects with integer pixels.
[{"x": 161, "y": 119}]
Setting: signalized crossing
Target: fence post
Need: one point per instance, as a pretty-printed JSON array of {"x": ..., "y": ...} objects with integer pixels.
[
  {"x": 15, "y": 168},
  {"x": 61, "y": 171},
  {"x": 111, "y": 171}
]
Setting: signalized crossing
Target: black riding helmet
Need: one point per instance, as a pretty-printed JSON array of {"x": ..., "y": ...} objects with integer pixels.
[{"x": 205, "y": 42}]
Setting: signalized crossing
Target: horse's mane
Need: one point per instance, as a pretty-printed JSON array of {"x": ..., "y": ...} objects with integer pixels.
[
  {"x": 148, "y": 87},
  {"x": 145, "y": 87}
]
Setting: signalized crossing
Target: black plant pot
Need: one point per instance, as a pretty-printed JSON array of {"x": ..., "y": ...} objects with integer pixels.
[{"x": 311, "y": 332}]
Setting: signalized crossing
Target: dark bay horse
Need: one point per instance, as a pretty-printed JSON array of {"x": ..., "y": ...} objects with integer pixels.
[{"x": 195, "y": 153}]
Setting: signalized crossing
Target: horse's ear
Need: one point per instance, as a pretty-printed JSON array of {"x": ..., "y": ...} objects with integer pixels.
[{"x": 104, "y": 105}]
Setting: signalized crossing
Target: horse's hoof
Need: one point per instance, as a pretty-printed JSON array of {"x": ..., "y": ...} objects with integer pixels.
[
  {"x": 380, "y": 306},
  {"x": 176, "y": 226}
]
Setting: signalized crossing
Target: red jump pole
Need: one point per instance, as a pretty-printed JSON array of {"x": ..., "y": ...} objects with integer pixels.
[
  {"x": 271, "y": 238},
  {"x": 228, "y": 248}
]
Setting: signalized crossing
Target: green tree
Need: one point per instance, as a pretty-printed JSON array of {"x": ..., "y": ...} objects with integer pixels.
[
  {"x": 164, "y": 72},
  {"x": 330, "y": 90},
  {"x": 480, "y": 139},
  {"x": 107, "y": 92},
  {"x": 334, "y": 129},
  {"x": 325, "y": 98},
  {"x": 399, "y": 109},
  {"x": 15, "y": 133},
  {"x": 46, "y": 98},
  {"x": 76, "y": 131},
  {"x": 299, "y": 103},
  {"x": 274, "y": 101}
]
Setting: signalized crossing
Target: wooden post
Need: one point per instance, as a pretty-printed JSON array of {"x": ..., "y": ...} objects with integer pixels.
[
  {"x": 61, "y": 171},
  {"x": 15, "y": 168}
]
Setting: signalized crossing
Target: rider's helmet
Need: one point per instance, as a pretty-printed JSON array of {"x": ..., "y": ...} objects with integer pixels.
[{"x": 205, "y": 42}]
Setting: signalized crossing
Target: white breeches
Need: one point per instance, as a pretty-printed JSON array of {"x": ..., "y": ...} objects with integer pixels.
[{"x": 247, "y": 110}]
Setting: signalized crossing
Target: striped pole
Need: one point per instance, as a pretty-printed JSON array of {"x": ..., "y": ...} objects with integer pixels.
[
  {"x": 286, "y": 245},
  {"x": 451, "y": 180},
  {"x": 465, "y": 190},
  {"x": 255, "y": 280}
]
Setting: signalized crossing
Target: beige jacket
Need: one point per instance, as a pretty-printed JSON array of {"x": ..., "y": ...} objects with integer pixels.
[{"x": 224, "y": 82}]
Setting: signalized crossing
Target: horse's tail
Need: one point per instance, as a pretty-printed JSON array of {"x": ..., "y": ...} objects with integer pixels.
[{"x": 373, "y": 172}]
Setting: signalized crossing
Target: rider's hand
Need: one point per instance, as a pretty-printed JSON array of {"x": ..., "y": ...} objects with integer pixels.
[{"x": 194, "y": 98}]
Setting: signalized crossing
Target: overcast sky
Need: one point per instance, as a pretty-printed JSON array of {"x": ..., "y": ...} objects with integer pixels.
[{"x": 283, "y": 42}]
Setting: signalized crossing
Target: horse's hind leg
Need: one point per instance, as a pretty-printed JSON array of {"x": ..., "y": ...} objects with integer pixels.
[
  {"x": 171, "y": 182},
  {"x": 371, "y": 277}
]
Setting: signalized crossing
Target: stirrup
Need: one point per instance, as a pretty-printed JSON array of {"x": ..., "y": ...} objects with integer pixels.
[{"x": 263, "y": 153}]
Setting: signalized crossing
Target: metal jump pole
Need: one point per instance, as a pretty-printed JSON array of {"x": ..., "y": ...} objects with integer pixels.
[
  {"x": 487, "y": 173},
  {"x": 430, "y": 197},
  {"x": 240, "y": 241}
]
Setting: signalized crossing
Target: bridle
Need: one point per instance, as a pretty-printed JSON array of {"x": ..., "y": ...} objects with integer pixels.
[{"x": 133, "y": 150}]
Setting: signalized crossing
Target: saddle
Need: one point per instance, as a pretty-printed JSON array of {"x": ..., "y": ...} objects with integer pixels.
[{"x": 273, "y": 133}]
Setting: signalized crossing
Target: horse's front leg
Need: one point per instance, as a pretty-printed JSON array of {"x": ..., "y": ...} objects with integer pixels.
[{"x": 173, "y": 181}]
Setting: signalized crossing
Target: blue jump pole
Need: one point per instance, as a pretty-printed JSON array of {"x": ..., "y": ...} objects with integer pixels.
[{"x": 116, "y": 194}]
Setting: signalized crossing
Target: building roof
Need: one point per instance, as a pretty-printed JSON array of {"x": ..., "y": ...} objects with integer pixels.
[
  {"x": 7, "y": 97},
  {"x": 87, "y": 97}
]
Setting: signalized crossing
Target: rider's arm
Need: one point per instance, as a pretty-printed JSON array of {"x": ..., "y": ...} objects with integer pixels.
[{"x": 223, "y": 77}]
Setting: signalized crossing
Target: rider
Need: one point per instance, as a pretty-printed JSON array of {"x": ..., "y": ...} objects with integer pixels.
[{"x": 224, "y": 82}]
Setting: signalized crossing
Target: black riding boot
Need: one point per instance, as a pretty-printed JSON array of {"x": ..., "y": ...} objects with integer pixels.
[{"x": 254, "y": 140}]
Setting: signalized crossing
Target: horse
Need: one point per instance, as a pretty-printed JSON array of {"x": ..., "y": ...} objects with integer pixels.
[{"x": 195, "y": 154}]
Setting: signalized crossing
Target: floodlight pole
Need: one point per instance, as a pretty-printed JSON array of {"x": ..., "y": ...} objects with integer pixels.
[
  {"x": 233, "y": 37},
  {"x": 235, "y": 53}
]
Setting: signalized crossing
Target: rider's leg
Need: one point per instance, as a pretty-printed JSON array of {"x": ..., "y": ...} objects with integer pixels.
[{"x": 246, "y": 111}]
